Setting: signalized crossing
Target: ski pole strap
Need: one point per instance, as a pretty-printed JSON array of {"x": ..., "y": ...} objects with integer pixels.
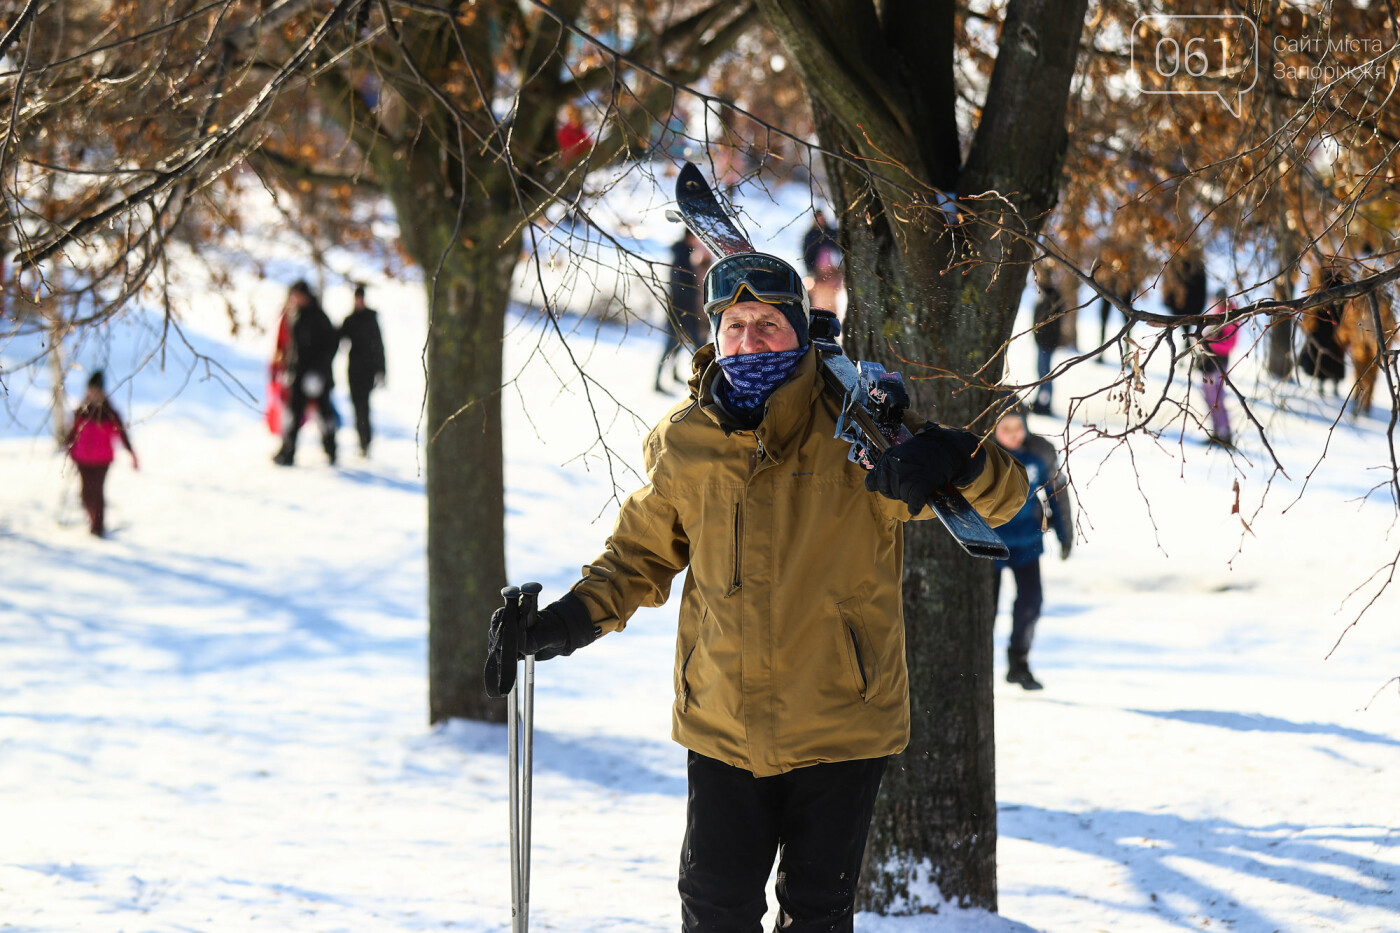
[{"x": 503, "y": 645}]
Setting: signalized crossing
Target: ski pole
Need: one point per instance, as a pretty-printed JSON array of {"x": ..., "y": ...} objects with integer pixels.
[
  {"x": 528, "y": 603},
  {"x": 520, "y": 718},
  {"x": 512, "y": 598}
]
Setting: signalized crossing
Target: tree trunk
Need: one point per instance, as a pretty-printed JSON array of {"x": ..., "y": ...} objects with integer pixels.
[
  {"x": 468, "y": 251},
  {"x": 58, "y": 369},
  {"x": 881, "y": 81},
  {"x": 936, "y": 817},
  {"x": 466, "y": 481},
  {"x": 1280, "y": 358},
  {"x": 935, "y": 821}
]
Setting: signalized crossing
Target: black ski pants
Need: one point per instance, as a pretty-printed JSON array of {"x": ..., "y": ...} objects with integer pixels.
[
  {"x": 815, "y": 819},
  {"x": 360, "y": 388},
  {"x": 1025, "y": 608},
  {"x": 296, "y": 410}
]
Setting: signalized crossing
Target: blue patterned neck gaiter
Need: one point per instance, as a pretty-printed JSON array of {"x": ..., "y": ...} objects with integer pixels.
[{"x": 749, "y": 380}]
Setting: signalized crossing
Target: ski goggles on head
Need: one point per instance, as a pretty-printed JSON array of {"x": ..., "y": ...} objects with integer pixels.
[{"x": 767, "y": 278}]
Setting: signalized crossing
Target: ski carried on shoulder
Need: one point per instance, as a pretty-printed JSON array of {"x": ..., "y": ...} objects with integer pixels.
[{"x": 873, "y": 400}]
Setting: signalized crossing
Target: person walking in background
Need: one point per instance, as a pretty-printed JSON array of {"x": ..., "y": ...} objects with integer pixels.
[
  {"x": 573, "y": 140},
  {"x": 1215, "y": 341},
  {"x": 366, "y": 365},
  {"x": 1124, "y": 291},
  {"x": 1045, "y": 319},
  {"x": 1184, "y": 284},
  {"x": 821, "y": 255},
  {"x": 1024, "y": 538},
  {"x": 91, "y": 442},
  {"x": 305, "y": 367},
  {"x": 689, "y": 260},
  {"x": 821, "y": 235}
]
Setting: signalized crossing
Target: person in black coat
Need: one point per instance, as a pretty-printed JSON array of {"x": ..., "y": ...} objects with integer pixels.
[
  {"x": 689, "y": 261},
  {"x": 366, "y": 368},
  {"x": 306, "y": 369},
  {"x": 1322, "y": 355},
  {"x": 1184, "y": 285},
  {"x": 821, "y": 235}
]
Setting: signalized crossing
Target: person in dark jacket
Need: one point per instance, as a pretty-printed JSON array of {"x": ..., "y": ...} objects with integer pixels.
[
  {"x": 1184, "y": 284},
  {"x": 1322, "y": 355},
  {"x": 1124, "y": 290},
  {"x": 366, "y": 366},
  {"x": 689, "y": 260},
  {"x": 820, "y": 236},
  {"x": 1024, "y": 538},
  {"x": 91, "y": 442},
  {"x": 306, "y": 369},
  {"x": 1046, "y": 318}
]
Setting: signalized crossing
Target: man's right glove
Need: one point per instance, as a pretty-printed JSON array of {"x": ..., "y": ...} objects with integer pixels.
[
  {"x": 911, "y": 472},
  {"x": 562, "y": 627}
]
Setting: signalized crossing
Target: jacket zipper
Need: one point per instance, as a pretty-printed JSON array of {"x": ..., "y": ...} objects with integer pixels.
[
  {"x": 860, "y": 664},
  {"x": 737, "y": 582},
  {"x": 685, "y": 684}
]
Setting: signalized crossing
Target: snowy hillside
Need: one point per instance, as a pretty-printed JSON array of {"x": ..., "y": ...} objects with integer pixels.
[{"x": 215, "y": 720}]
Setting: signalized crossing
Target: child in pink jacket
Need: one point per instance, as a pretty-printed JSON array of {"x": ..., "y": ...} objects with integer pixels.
[
  {"x": 1215, "y": 343},
  {"x": 91, "y": 442}
]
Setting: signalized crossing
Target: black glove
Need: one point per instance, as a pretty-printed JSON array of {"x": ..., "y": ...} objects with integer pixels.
[
  {"x": 914, "y": 470},
  {"x": 562, "y": 627}
]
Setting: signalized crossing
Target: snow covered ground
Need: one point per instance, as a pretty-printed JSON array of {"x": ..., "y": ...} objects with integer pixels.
[{"x": 216, "y": 719}]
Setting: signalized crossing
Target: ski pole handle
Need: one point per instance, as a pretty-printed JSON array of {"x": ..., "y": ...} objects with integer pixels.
[
  {"x": 503, "y": 645},
  {"x": 529, "y": 601}
]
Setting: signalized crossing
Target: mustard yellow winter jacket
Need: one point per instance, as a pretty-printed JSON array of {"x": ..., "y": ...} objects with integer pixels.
[{"x": 790, "y": 649}]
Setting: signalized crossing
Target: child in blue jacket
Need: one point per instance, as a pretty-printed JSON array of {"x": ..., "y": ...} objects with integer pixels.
[{"x": 1024, "y": 537}]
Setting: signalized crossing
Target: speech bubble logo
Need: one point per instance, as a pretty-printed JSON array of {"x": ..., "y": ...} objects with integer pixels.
[{"x": 1198, "y": 53}]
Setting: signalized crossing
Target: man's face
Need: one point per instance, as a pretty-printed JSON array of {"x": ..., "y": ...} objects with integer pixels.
[{"x": 754, "y": 327}]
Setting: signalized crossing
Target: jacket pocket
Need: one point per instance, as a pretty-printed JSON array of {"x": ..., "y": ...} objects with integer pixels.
[
  {"x": 683, "y": 684},
  {"x": 860, "y": 653}
]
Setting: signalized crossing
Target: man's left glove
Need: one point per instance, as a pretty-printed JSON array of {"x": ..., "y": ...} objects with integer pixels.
[
  {"x": 914, "y": 470},
  {"x": 562, "y": 627}
]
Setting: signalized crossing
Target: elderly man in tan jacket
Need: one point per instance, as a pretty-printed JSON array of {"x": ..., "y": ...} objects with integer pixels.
[{"x": 791, "y": 689}]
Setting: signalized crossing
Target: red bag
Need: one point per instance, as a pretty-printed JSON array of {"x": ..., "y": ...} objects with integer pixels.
[
  {"x": 277, "y": 394},
  {"x": 272, "y": 409}
]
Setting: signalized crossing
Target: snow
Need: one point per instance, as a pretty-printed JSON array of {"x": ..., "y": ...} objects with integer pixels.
[{"x": 215, "y": 720}]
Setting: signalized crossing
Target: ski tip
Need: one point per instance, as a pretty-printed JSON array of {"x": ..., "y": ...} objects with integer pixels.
[{"x": 691, "y": 183}]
